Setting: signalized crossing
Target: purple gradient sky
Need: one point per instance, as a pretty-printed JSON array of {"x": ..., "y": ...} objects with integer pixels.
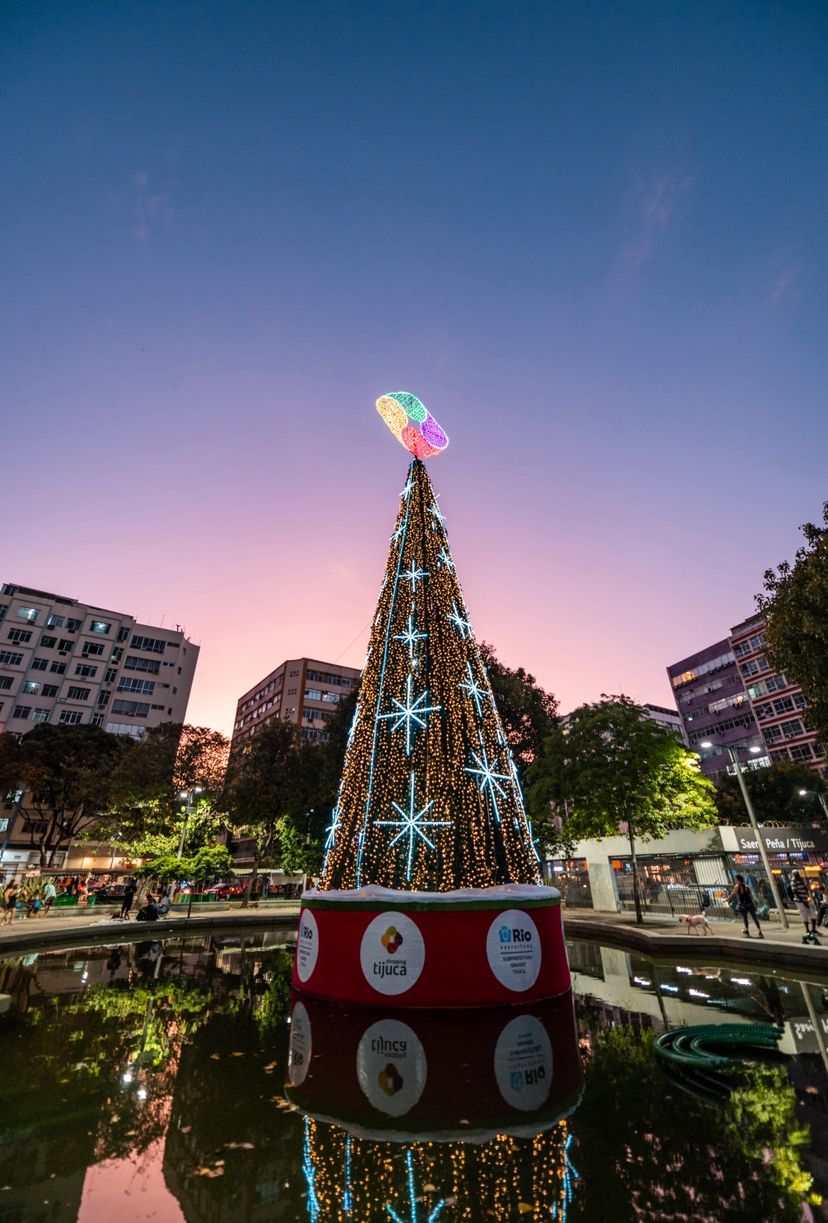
[{"x": 591, "y": 237}]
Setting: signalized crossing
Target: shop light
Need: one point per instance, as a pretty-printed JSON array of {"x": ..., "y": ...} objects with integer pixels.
[
  {"x": 698, "y": 993},
  {"x": 641, "y": 981},
  {"x": 670, "y": 989},
  {"x": 740, "y": 981},
  {"x": 688, "y": 971}
]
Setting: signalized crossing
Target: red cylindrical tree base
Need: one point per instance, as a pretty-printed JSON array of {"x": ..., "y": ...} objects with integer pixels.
[
  {"x": 433, "y": 1074},
  {"x": 484, "y": 947}
]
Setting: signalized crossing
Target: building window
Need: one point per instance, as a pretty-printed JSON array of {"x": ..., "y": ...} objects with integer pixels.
[
  {"x": 64, "y": 645},
  {"x": 93, "y": 648},
  {"x": 152, "y": 665},
  {"x": 70, "y": 717},
  {"x": 85, "y": 671},
  {"x": 116, "y": 655},
  {"x": 5, "y": 681},
  {"x": 40, "y": 715},
  {"x": 126, "y": 684},
  {"x": 58, "y": 668},
  {"x": 793, "y": 729},
  {"x": 96, "y": 719},
  {"x": 8, "y": 659},
  {"x": 29, "y": 614},
  {"x": 40, "y": 664},
  {"x": 334, "y": 697},
  {"x": 49, "y": 690},
  {"x": 772, "y": 734},
  {"x": 801, "y": 751},
  {"x": 132, "y": 709},
  {"x": 109, "y": 675},
  {"x": 313, "y": 694},
  {"x": 20, "y": 635},
  {"x": 78, "y": 694},
  {"x": 30, "y": 687},
  {"x": 103, "y": 698},
  {"x": 153, "y": 645},
  {"x": 53, "y": 621},
  {"x": 47, "y": 642},
  {"x": 21, "y": 711},
  {"x": 124, "y": 728},
  {"x": 123, "y": 633},
  {"x": 73, "y": 625},
  {"x": 100, "y": 626}
]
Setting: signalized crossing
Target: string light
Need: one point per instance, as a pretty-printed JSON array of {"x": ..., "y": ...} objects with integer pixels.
[
  {"x": 426, "y": 711},
  {"x": 412, "y": 822}
]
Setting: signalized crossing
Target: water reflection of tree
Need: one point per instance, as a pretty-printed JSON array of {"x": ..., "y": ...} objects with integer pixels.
[{"x": 647, "y": 1152}]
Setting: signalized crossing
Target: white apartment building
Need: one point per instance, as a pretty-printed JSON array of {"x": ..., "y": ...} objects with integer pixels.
[{"x": 69, "y": 663}]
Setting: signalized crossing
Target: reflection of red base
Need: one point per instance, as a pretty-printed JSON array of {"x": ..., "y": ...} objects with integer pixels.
[
  {"x": 434, "y": 1074},
  {"x": 496, "y": 947}
]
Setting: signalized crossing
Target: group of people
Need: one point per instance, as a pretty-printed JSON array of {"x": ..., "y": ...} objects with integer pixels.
[
  {"x": 36, "y": 901},
  {"x": 810, "y": 903},
  {"x": 152, "y": 908}
]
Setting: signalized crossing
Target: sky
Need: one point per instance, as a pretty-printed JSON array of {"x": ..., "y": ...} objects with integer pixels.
[{"x": 590, "y": 237}]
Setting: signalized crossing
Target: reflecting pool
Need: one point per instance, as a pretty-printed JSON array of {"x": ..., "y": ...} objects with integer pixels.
[{"x": 182, "y": 1080}]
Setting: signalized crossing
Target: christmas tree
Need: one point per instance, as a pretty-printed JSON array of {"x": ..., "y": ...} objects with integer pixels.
[{"x": 430, "y": 798}]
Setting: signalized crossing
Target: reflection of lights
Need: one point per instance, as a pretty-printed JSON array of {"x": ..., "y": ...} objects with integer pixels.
[
  {"x": 740, "y": 981},
  {"x": 698, "y": 993},
  {"x": 687, "y": 971},
  {"x": 642, "y": 981},
  {"x": 127, "y": 1076},
  {"x": 141, "y": 1093},
  {"x": 670, "y": 989}
]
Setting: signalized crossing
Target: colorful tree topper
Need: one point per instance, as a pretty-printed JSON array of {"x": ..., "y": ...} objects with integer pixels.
[{"x": 412, "y": 424}]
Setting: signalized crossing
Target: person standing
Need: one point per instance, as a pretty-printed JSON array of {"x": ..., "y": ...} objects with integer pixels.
[
  {"x": 49, "y": 896},
  {"x": 802, "y": 898},
  {"x": 743, "y": 902},
  {"x": 129, "y": 896},
  {"x": 9, "y": 902}
]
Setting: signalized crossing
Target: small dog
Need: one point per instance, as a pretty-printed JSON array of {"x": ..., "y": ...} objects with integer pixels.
[{"x": 696, "y": 921}]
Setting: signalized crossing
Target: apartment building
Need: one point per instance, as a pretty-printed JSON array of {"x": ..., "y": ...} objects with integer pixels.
[
  {"x": 304, "y": 691},
  {"x": 779, "y": 707},
  {"x": 713, "y": 704},
  {"x": 70, "y": 663},
  {"x": 668, "y": 718}
]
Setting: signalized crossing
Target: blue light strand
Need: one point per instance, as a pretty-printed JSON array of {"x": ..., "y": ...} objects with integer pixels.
[
  {"x": 411, "y": 637},
  {"x": 406, "y": 493},
  {"x": 488, "y": 778},
  {"x": 412, "y": 1199},
  {"x": 474, "y": 690},
  {"x": 412, "y": 823},
  {"x": 409, "y": 713},
  {"x": 309, "y": 1172},
  {"x": 347, "y": 1196},
  {"x": 460, "y": 623}
]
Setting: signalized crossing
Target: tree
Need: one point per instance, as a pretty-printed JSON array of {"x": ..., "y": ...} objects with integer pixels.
[
  {"x": 211, "y": 862},
  {"x": 795, "y": 606},
  {"x": 774, "y": 793},
  {"x": 527, "y": 711},
  {"x": 264, "y": 785},
  {"x": 167, "y": 761},
  {"x": 429, "y": 798},
  {"x": 71, "y": 776},
  {"x": 619, "y": 772}
]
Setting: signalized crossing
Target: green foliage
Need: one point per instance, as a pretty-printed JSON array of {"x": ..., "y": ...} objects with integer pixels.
[
  {"x": 614, "y": 771},
  {"x": 267, "y": 783},
  {"x": 527, "y": 711},
  {"x": 72, "y": 776},
  {"x": 796, "y": 609},
  {"x": 211, "y": 862},
  {"x": 774, "y": 793},
  {"x": 646, "y": 1151}
]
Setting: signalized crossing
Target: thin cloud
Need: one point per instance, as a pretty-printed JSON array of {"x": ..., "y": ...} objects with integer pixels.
[
  {"x": 786, "y": 285},
  {"x": 659, "y": 207},
  {"x": 151, "y": 209}
]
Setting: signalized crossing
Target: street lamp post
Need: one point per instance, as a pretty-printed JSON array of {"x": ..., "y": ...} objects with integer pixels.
[
  {"x": 189, "y": 809},
  {"x": 820, "y": 798},
  {"x": 763, "y": 853}
]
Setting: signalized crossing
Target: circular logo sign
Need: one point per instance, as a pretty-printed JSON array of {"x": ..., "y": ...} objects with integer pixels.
[
  {"x": 392, "y": 953},
  {"x": 307, "y": 945},
  {"x": 391, "y": 1067},
  {"x": 523, "y": 1063},
  {"x": 299, "y": 1049},
  {"x": 513, "y": 950}
]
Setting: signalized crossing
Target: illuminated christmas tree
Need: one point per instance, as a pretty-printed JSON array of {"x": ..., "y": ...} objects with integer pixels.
[{"x": 430, "y": 798}]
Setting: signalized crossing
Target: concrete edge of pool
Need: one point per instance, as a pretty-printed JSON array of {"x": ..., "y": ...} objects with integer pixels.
[{"x": 779, "y": 956}]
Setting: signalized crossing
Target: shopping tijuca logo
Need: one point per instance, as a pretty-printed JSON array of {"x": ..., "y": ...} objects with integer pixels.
[
  {"x": 392, "y": 940},
  {"x": 390, "y": 1080}
]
